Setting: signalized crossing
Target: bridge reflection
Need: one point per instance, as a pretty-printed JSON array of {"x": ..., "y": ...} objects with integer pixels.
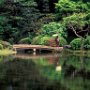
[
  {"x": 52, "y": 59},
  {"x": 31, "y": 56}
]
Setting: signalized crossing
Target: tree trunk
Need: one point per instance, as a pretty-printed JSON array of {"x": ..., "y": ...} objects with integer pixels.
[{"x": 82, "y": 44}]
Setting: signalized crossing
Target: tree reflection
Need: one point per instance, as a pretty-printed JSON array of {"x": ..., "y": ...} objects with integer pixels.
[
  {"x": 20, "y": 74},
  {"x": 52, "y": 72}
]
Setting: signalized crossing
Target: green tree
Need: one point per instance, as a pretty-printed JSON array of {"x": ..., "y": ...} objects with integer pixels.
[
  {"x": 77, "y": 23},
  {"x": 67, "y": 7},
  {"x": 75, "y": 16},
  {"x": 54, "y": 28}
]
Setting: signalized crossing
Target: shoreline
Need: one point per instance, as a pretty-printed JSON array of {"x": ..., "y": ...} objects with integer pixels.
[
  {"x": 79, "y": 52},
  {"x": 5, "y": 52}
]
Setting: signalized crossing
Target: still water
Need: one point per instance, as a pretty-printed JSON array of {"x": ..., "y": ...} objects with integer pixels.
[{"x": 59, "y": 71}]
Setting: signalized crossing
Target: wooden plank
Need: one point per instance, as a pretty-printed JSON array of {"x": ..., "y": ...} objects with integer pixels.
[{"x": 27, "y": 46}]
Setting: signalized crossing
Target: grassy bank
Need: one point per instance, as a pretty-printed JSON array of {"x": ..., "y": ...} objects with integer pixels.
[
  {"x": 6, "y": 52},
  {"x": 78, "y": 52}
]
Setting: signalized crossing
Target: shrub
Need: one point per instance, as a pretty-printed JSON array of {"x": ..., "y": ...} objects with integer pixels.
[
  {"x": 5, "y": 44},
  {"x": 49, "y": 41},
  {"x": 62, "y": 41},
  {"x": 76, "y": 43},
  {"x": 1, "y": 46},
  {"x": 87, "y": 43},
  {"x": 37, "y": 40},
  {"x": 26, "y": 40},
  {"x": 45, "y": 40},
  {"x": 11, "y": 40}
]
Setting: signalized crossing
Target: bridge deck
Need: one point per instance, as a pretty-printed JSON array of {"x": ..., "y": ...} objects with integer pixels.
[{"x": 42, "y": 47}]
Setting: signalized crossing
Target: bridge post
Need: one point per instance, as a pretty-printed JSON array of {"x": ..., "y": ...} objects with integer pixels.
[
  {"x": 14, "y": 49},
  {"x": 34, "y": 51}
]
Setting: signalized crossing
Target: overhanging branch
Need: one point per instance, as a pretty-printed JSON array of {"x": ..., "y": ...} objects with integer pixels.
[
  {"x": 75, "y": 31},
  {"x": 82, "y": 31}
]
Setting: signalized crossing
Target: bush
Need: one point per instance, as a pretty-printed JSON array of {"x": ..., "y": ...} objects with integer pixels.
[
  {"x": 5, "y": 44},
  {"x": 76, "y": 43},
  {"x": 49, "y": 41},
  {"x": 45, "y": 40},
  {"x": 26, "y": 40},
  {"x": 87, "y": 43},
  {"x": 1, "y": 46},
  {"x": 11, "y": 40},
  {"x": 62, "y": 41},
  {"x": 36, "y": 40}
]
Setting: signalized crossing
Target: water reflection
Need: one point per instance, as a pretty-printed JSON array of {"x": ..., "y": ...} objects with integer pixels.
[
  {"x": 9, "y": 87},
  {"x": 58, "y": 68},
  {"x": 44, "y": 72},
  {"x": 52, "y": 58}
]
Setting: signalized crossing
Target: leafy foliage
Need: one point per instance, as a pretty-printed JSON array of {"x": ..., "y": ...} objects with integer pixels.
[
  {"x": 37, "y": 40},
  {"x": 62, "y": 41},
  {"x": 1, "y": 2},
  {"x": 74, "y": 14},
  {"x": 76, "y": 20},
  {"x": 53, "y": 28},
  {"x": 24, "y": 18},
  {"x": 45, "y": 40},
  {"x": 87, "y": 43},
  {"x": 5, "y": 44},
  {"x": 49, "y": 41},
  {"x": 68, "y": 7},
  {"x": 41, "y": 40},
  {"x": 26, "y": 40},
  {"x": 1, "y": 46},
  {"x": 75, "y": 44},
  {"x": 19, "y": 18}
]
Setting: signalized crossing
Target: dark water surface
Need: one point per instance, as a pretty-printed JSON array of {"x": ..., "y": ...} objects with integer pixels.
[{"x": 61, "y": 71}]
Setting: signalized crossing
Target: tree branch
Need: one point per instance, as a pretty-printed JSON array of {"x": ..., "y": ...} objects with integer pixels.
[
  {"x": 84, "y": 30},
  {"x": 75, "y": 31},
  {"x": 4, "y": 13},
  {"x": 81, "y": 31}
]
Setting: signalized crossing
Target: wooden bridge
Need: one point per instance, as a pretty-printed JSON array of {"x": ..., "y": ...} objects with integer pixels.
[{"x": 36, "y": 47}]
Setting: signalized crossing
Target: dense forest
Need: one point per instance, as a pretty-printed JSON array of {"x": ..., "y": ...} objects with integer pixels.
[{"x": 36, "y": 21}]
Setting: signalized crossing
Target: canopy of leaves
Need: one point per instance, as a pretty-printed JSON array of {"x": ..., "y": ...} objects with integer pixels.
[
  {"x": 76, "y": 20},
  {"x": 67, "y": 7},
  {"x": 74, "y": 14},
  {"x": 54, "y": 28},
  {"x": 1, "y": 1},
  {"x": 21, "y": 18}
]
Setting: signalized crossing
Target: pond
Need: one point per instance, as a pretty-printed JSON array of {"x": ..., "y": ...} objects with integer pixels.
[{"x": 54, "y": 71}]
